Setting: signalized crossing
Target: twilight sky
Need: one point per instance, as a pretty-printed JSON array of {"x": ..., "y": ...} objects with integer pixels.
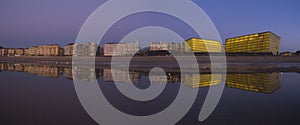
[{"x": 25, "y": 23}]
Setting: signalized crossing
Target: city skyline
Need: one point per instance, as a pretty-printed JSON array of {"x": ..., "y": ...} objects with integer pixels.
[
  {"x": 265, "y": 43},
  {"x": 30, "y": 22},
  {"x": 162, "y": 62}
]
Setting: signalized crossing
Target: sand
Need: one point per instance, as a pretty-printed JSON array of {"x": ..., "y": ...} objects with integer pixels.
[{"x": 233, "y": 63}]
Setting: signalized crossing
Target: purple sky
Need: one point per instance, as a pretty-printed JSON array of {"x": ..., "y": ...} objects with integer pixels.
[{"x": 25, "y": 23}]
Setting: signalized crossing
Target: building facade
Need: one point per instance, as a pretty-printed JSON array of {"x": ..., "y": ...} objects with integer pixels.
[
  {"x": 165, "y": 46},
  {"x": 33, "y": 51},
  {"x": 26, "y": 52},
  {"x": 85, "y": 49},
  {"x": 11, "y": 52},
  {"x": 258, "y": 43},
  {"x": 286, "y": 54},
  {"x": 51, "y": 50},
  {"x": 47, "y": 50},
  {"x": 69, "y": 49},
  {"x": 197, "y": 45},
  {"x": 177, "y": 47},
  {"x": 132, "y": 48},
  {"x": 19, "y": 52},
  {"x": 110, "y": 49},
  {"x": 121, "y": 49},
  {"x": 3, "y": 52},
  {"x": 156, "y": 46}
]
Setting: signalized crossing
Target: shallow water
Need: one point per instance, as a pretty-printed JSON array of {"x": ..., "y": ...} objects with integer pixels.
[{"x": 46, "y": 95}]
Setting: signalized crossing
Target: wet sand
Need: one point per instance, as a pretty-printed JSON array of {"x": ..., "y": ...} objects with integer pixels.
[
  {"x": 162, "y": 59},
  {"x": 169, "y": 63}
]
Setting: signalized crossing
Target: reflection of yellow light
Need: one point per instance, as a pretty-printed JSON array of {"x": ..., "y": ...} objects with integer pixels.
[
  {"x": 259, "y": 82},
  {"x": 192, "y": 80}
]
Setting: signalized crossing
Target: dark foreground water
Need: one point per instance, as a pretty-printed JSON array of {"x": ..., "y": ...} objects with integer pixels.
[{"x": 45, "y": 95}]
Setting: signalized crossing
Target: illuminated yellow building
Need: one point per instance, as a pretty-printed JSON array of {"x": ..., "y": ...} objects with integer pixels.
[
  {"x": 265, "y": 42},
  {"x": 119, "y": 75},
  {"x": 202, "y": 46},
  {"x": 258, "y": 82},
  {"x": 192, "y": 80}
]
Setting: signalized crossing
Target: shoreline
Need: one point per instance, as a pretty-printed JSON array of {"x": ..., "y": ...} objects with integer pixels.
[
  {"x": 160, "y": 59},
  {"x": 169, "y": 63}
]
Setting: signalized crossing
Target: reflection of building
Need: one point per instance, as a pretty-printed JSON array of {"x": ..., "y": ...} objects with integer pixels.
[
  {"x": 158, "y": 79},
  {"x": 68, "y": 49},
  {"x": 68, "y": 73},
  {"x": 107, "y": 74},
  {"x": 170, "y": 78},
  {"x": 121, "y": 49},
  {"x": 202, "y": 80},
  {"x": 2, "y": 67},
  {"x": 202, "y": 46},
  {"x": 84, "y": 73},
  {"x": 174, "y": 77},
  {"x": 100, "y": 72},
  {"x": 47, "y": 71},
  {"x": 121, "y": 76},
  {"x": 10, "y": 67},
  {"x": 19, "y": 67},
  {"x": 3, "y": 52},
  {"x": 258, "y": 82},
  {"x": 85, "y": 49},
  {"x": 266, "y": 42}
]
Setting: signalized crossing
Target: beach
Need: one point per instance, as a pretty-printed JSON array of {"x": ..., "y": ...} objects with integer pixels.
[{"x": 153, "y": 59}]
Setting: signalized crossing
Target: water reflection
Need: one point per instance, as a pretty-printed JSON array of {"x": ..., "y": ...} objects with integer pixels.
[
  {"x": 255, "y": 82},
  {"x": 205, "y": 80},
  {"x": 40, "y": 70},
  {"x": 84, "y": 73},
  {"x": 121, "y": 76}
]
